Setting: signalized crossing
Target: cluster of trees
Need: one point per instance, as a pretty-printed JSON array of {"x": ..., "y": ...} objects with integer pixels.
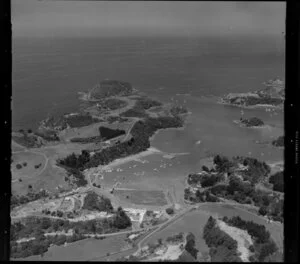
[
  {"x": 40, "y": 245},
  {"x": 76, "y": 176},
  {"x": 279, "y": 142},
  {"x": 205, "y": 179},
  {"x": 223, "y": 164},
  {"x": 93, "y": 202},
  {"x": 223, "y": 248},
  {"x": 210, "y": 180},
  {"x": 256, "y": 170},
  {"x": 23, "y": 199},
  {"x": 244, "y": 192},
  {"x": 121, "y": 219},
  {"x": 264, "y": 246},
  {"x": 252, "y": 122},
  {"x": 200, "y": 196},
  {"x": 278, "y": 181},
  {"x": 36, "y": 227},
  {"x": 141, "y": 132},
  {"x": 256, "y": 231},
  {"x": 190, "y": 245}
]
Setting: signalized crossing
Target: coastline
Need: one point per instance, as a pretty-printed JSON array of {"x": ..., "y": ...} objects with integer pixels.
[{"x": 258, "y": 106}]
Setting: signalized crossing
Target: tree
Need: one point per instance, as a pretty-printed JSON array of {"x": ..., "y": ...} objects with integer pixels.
[
  {"x": 205, "y": 168},
  {"x": 46, "y": 223},
  {"x": 190, "y": 245},
  {"x": 121, "y": 219},
  {"x": 266, "y": 250},
  {"x": 170, "y": 210},
  {"x": 263, "y": 210}
]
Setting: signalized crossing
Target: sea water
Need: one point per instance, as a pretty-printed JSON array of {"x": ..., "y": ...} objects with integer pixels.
[{"x": 48, "y": 73}]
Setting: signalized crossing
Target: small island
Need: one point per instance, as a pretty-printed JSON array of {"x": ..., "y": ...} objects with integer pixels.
[
  {"x": 271, "y": 96},
  {"x": 279, "y": 142},
  {"x": 251, "y": 122}
]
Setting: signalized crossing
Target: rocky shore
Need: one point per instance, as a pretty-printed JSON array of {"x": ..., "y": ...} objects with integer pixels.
[{"x": 272, "y": 96}]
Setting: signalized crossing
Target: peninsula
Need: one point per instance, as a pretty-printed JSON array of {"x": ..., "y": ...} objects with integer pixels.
[{"x": 271, "y": 96}]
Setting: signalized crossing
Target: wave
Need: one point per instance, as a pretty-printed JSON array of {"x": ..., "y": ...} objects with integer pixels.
[{"x": 184, "y": 94}]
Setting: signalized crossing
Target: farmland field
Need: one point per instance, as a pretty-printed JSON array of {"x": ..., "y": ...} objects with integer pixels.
[
  {"x": 142, "y": 197},
  {"x": 195, "y": 221},
  {"x": 27, "y": 171},
  {"x": 83, "y": 250},
  {"x": 192, "y": 222}
]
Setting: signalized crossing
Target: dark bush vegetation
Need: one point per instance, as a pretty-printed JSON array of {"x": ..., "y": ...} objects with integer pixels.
[
  {"x": 80, "y": 120},
  {"x": 256, "y": 231},
  {"x": 109, "y": 88},
  {"x": 146, "y": 103},
  {"x": 87, "y": 140},
  {"x": 19, "y": 166},
  {"x": 121, "y": 219},
  {"x": 223, "y": 164},
  {"x": 205, "y": 179},
  {"x": 108, "y": 133},
  {"x": 251, "y": 100},
  {"x": 277, "y": 180},
  {"x": 38, "y": 166},
  {"x": 170, "y": 211},
  {"x": 141, "y": 132},
  {"x": 113, "y": 104},
  {"x": 77, "y": 175},
  {"x": 36, "y": 227},
  {"x": 190, "y": 245},
  {"x": 135, "y": 112},
  {"x": 31, "y": 196},
  {"x": 223, "y": 248},
  {"x": 94, "y": 202},
  {"x": 252, "y": 122}
]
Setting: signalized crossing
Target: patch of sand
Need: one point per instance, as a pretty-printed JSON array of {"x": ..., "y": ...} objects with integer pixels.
[
  {"x": 172, "y": 253},
  {"x": 242, "y": 238}
]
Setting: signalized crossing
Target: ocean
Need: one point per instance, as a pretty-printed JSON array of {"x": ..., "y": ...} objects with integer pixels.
[{"x": 48, "y": 73}]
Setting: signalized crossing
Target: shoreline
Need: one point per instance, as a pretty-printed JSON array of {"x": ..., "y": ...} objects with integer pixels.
[
  {"x": 253, "y": 127},
  {"x": 258, "y": 106}
]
